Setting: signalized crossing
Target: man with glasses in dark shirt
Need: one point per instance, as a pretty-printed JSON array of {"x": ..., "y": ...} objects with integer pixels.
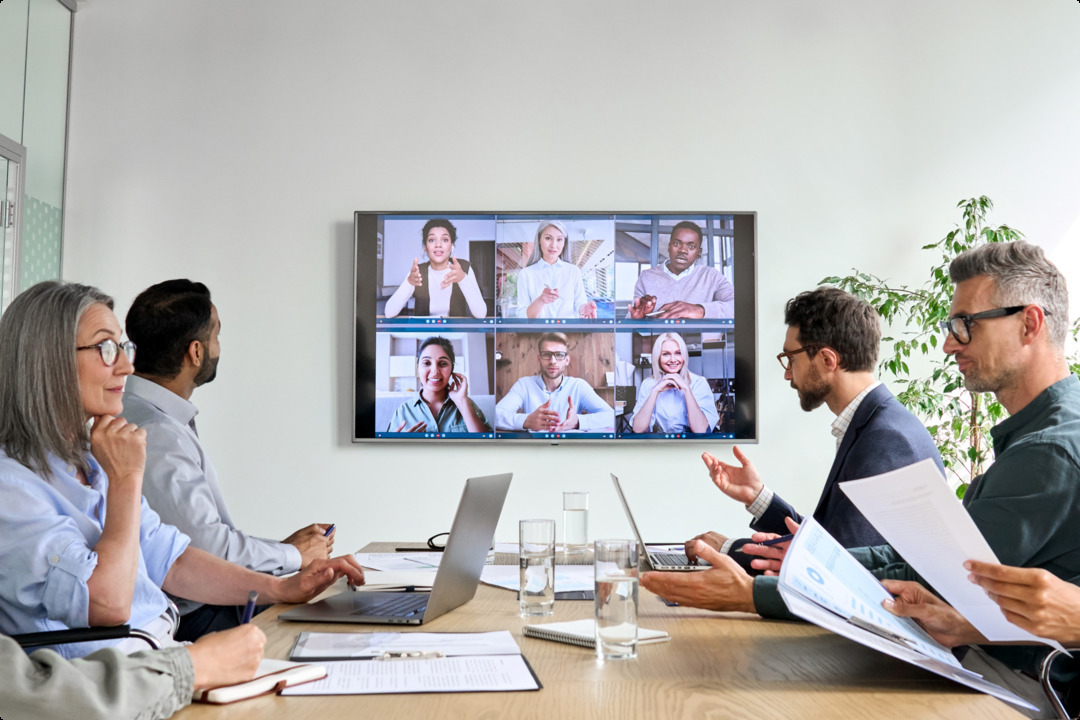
[
  {"x": 553, "y": 401},
  {"x": 1027, "y": 504}
]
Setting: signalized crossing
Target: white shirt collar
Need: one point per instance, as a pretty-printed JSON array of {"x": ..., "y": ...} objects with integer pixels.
[
  {"x": 685, "y": 273},
  {"x": 843, "y": 420}
]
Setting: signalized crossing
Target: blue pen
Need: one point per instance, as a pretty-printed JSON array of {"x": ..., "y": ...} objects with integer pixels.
[
  {"x": 329, "y": 530},
  {"x": 249, "y": 609},
  {"x": 776, "y": 541}
]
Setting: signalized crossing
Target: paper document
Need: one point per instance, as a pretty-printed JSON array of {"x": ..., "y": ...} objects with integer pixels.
[
  {"x": 351, "y": 646},
  {"x": 822, "y": 583},
  {"x": 568, "y": 578},
  {"x": 397, "y": 580},
  {"x": 485, "y": 673},
  {"x": 399, "y": 561},
  {"x": 916, "y": 512}
]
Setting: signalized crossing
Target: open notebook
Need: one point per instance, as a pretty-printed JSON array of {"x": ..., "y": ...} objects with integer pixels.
[{"x": 273, "y": 676}]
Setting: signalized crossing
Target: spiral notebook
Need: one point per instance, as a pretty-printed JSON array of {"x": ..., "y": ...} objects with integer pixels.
[{"x": 583, "y": 633}]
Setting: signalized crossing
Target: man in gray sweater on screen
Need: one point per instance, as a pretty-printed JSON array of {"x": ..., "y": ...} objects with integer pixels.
[{"x": 680, "y": 288}]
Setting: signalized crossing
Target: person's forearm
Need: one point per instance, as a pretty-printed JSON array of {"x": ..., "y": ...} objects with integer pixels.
[
  {"x": 112, "y": 584},
  {"x": 199, "y": 576},
  {"x": 535, "y": 308},
  {"x": 643, "y": 416},
  {"x": 473, "y": 297},
  {"x": 694, "y": 417},
  {"x": 472, "y": 421},
  {"x": 107, "y": 684},
  {"x": 397, "y": 301}
]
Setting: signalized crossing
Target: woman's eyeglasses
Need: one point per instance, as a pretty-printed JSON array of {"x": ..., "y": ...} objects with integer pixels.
[{"x": 110, "y": 350}]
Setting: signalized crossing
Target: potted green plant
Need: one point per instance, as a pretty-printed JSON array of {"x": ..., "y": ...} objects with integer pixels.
[{"x": 957, "y": 419}]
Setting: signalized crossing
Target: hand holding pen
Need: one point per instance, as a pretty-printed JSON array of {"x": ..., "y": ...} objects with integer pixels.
[
  {"x": 315, "y": 542},
  {"x": 249, "y": 609},
  {"x": 770, "y": 548}
]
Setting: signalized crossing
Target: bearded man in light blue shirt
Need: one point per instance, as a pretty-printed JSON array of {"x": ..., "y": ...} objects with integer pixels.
[
  {"x": 177, "y": 328},
  {"x": 553, "y": 401}
]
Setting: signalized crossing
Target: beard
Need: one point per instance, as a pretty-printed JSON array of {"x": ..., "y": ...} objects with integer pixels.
[
  {"x": 207, "y": 372},
  {"x": 813, "y": 391},
  {"x": 978, "y": 382}
]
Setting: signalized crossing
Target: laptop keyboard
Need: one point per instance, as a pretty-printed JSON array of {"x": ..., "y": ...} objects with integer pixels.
[
  {"x": 396, "y": 606},
  {"x": 670, "y": 559}
]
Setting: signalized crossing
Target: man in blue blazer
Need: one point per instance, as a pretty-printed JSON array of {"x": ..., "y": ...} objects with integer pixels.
[{"x": 830, "y": 352}]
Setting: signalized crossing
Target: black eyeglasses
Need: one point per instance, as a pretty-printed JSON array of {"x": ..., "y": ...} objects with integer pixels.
[
  {"x": 110, "y": 350},
  {"x": 547, "y": 355},
  {"x": 960, "y": 325},
  {"x": 785, "y": 357}
]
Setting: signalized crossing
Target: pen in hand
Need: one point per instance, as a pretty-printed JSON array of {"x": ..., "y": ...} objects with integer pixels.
[
  {"x": 776, "y": 541},
  {"x": 329, "y": 529},
  {"x": 249, "y": 609}
]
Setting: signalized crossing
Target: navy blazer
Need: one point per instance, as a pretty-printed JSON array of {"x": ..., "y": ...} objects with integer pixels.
[{"x": 882, "y": 436}]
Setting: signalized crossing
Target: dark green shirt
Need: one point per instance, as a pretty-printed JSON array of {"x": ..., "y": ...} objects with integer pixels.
[{"x": 1027, "y": 505}]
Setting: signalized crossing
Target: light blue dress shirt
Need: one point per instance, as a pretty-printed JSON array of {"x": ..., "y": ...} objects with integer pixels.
[
  {"x": 529, "y": 393},
  {"x": 48, "y": 530},
  {"x": 182, "y": 485},
  {"x": 670, "y": 408}
]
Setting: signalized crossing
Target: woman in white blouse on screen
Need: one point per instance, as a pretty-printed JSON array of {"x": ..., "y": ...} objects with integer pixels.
[
  {"x": 673, "y": 400},
  {"x": 444, "y": 286},
  {"x": 549, "y": 286}
]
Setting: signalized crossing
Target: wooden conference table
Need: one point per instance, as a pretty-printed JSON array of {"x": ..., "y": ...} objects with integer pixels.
[{"x": 716, "y": 665}]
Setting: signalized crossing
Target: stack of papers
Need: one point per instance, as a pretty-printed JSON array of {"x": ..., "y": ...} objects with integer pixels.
[
  {"x": 451, "y": 662},
  {"x": 821, "y": 582},
  {"x": 918, "y": 515},
  {"x": 400, "y": 561},
  {"x": 317, "y": 646},
  {"x": 397, "y": 580}
]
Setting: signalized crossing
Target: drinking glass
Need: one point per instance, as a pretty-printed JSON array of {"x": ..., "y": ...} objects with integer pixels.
[
  {"x": 537, "y": 562},
  {"x": 616, "y": 566},
  {"x": 575, "y": 506}
]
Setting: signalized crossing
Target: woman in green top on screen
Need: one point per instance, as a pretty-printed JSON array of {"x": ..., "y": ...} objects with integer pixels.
[{"x": 442, "y": 404}]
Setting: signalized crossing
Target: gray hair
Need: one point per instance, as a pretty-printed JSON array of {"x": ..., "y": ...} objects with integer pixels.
[
  {"x": 537, "y": 253},
  {"x": 658, "y": 346},
  {"x": 41, "y": 411},
  {"x": 1022, "y": 276}
]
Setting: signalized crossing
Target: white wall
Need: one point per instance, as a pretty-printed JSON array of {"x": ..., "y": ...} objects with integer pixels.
[{"x": 230, "y": 143}]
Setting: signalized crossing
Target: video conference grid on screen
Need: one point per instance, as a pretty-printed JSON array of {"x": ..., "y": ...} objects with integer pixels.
[{"x": 554, "y": 326}]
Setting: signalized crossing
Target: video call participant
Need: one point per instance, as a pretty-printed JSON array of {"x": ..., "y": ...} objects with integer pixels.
[
  {"x": 1007, "y": 331},
  {"x": 442, "y": 403},
  {"x": 79, "y": 545},
  {"x": 830, "y": 352},
  {"x": 549, "y": 286},
  {"x": 673, "y": 400},
  {"x": 680, "y": 288},
  {"x": 553, "y": 401},
  {"x": 148, "y": 684},
  {"x": 175, "y": 326},
  {"x": 443, "y": 285}
]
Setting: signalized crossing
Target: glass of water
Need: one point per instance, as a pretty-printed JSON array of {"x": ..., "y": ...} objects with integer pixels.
[
  {"x": 575, "y": 513},
  {"x": 536, "y": 559},
  {"x": 616, "y": 566}
]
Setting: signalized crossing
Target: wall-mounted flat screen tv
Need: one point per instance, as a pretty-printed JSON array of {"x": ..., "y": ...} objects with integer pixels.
[{"x": 555, "y": 327}]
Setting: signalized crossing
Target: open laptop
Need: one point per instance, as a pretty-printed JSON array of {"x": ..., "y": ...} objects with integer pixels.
[
  {"x": 668, "y": 562},
  {"x": 455, "y": 582}
]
